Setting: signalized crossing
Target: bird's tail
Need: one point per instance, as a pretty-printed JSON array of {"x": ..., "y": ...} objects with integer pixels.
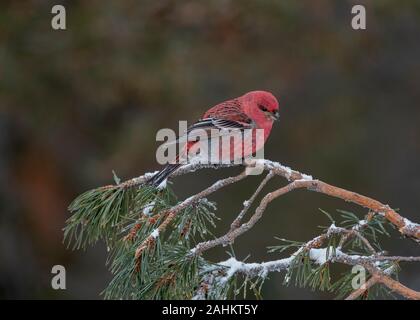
[{"x": 163, "y": 174}]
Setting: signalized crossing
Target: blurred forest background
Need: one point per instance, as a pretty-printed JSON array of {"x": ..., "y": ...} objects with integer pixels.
[{"x": 79, "y": 103}]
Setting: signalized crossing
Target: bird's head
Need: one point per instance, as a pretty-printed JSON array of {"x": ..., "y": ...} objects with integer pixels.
[{"x": 261, "y": 105}]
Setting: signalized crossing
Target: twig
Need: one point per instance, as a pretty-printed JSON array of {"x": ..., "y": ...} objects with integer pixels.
[
  {"x": 369, "y": 262},
  {"x": 396, "y": 286},
  {"x": 317, "y": 186},
  {"x": 369, "y": 284},
  {"x": 233, "y": 234},
  {"x": 365, "y": 287},
  {"x": 172, "y": 212},
  {"x": 356, "y": 233},
  {"x": 247, "y": 204},
  {"x": 405, "y": 226},
  {"x": 313, "y": 248},
  {"x": 297, "y": 181},
  {"x": 357, "y": 228}
]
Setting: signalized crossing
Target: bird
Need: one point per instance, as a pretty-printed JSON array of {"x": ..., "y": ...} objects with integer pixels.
[{"x": 253, "y": 110}]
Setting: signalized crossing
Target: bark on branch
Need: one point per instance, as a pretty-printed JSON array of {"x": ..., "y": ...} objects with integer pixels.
[
  {"x": 296, "y": 181},
  {"x": 227, "y": 269}
]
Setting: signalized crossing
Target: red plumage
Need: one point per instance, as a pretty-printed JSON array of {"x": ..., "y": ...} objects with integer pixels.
[{"x": 254, "y": 110}]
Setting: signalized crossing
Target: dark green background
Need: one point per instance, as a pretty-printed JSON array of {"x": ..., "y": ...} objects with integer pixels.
[{"x": 76, "y": 104}]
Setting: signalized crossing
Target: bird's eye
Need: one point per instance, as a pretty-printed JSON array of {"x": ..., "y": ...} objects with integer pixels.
[{"x": 262, "y": 107}]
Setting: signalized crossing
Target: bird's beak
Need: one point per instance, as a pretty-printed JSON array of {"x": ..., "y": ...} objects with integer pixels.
[{"x": 275, "y": 115}]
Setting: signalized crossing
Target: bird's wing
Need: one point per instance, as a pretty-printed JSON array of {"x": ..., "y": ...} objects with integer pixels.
[
  {"x": 217, "y": 123},
  {"x": 229, "y": 110},
  {"x": 205, "y": 126},
  {"x": 227, "y": 115}
]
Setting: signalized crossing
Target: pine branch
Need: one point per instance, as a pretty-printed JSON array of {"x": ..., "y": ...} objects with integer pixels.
[
  {"x": 154, "y": 252},
  {"x": 302, "y": 258}
]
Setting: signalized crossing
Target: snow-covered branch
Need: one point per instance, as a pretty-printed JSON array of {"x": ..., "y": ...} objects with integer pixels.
[
  {"x": 225, "y": 270},
  {"x": 297, "y": 180},
  {"x": 314, "y": 249}
]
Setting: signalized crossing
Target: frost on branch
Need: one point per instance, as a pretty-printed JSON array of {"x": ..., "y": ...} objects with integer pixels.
[{"x": 157, "y": 243}]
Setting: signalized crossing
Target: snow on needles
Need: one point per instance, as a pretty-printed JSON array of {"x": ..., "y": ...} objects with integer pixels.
[
  {"x": 155, "y": 233},
  {"x": 322, "y": 255},
  {"x": 148, "y": 209},
  {"x": 318, "y": 255}
]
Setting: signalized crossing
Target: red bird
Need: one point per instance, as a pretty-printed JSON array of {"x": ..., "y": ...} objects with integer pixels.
[{"x": 254, "y": 110}]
